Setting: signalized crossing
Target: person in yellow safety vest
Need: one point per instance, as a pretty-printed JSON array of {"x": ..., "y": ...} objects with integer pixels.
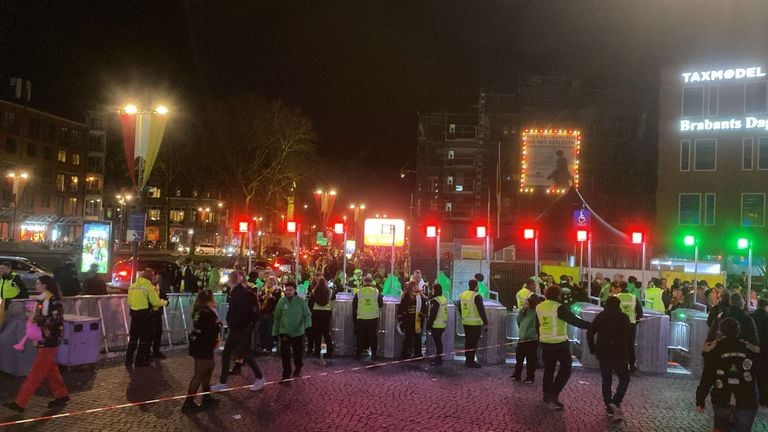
[
  {"x": 142, "y": 296},
  {"x": 633, "y": 309},
  {"x": 525, "y": 292},
  {"x": 11, "y": 285},
  {"x": 554, "y": 318},
  {"x": 365, "y": 313},
  {"x": 653, "y": 294},
  {"x": 356, "y": 281},
  {"x": 473, "y": 318},
  {"x": 437, "y": 321}
]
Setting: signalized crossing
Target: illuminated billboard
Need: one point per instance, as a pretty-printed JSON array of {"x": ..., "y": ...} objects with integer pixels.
[
  {"x": 96, "y": 246},
  {"x": 379, "y": 232},
  {"x": 549, "y": 160}
]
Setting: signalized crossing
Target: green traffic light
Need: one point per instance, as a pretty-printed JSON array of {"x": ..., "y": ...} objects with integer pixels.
[
  {"x": 742, "y": 243},
  {"x": 689, "y": 240}
]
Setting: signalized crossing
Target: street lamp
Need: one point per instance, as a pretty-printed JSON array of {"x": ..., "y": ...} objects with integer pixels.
[
  {"x": 434, "y": 232},
  {"x": 640, "y": 238},
  {"x": 18, "y": 180},
  {"x": 742, "y": 244},
  {"x": 122, "y": 199},
  {"x": 533, "y": 234},
  {"x": 341, "y": 229},
  {"x": 690, "y": 240}
]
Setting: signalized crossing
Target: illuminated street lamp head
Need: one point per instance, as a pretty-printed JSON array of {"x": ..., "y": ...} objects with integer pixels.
[
  {"x": 199, "y": 209},
  {"x": 742, "y": 243},
  {"x": 319, "y": 192},
  {"x": 130, "y": 109},
  {"x": 332, "y": 193},
  {"x": 161, "y": 109},
  {"x": 221, "y": 204},
  {"x": 362, "y": 206},
  {"x": 689, "y": 240}
]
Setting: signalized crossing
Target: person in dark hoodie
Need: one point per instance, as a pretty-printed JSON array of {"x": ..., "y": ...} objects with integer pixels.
[
  {"x": 728, "y": 378},
  {"x": 612, "y": 328},
  {"x": 760, "y": 316}
]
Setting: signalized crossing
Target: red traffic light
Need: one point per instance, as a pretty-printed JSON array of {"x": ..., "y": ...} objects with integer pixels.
[
  {"x": 290, "y": 226},
  {"x": 638, "y": 238},
  {"x": 481, "y": 231},
  {"x": 432, "y": 231},
  {"x": 242, "y": 226},
  {"x": 338, "y": 228},
  {"x": 582, "y": 235},
  {"x": 529, "y": 234}
]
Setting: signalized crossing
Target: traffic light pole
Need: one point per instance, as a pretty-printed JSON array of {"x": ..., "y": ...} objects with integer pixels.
[
  {"x": 696, "y": 265},
  {"x": 344, "y": 252},
  {"x": 642, "y": 272},
  {"x": 536, "y": 255},
  {"x": 250, "y": 249},
  {"x": 437, "y": 254},
  {"x": 589, "y": 260}
]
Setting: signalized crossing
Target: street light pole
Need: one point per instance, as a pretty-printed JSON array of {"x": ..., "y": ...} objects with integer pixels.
[
  {"x": 696, "y": 264},
  {"x": 437, "y": 254}
]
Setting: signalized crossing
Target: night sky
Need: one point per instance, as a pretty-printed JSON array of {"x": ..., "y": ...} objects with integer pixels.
[{"x": 361, "y": 70}]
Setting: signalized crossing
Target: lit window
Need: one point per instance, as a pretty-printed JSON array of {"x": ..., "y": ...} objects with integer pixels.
[
  {"x": 753, "y": 209},
  {"x": 62, "y": 156},
  {"x": 154, "y": 214},
  {"x": 153, "y": 192},
  {"x": 73, "y": 183},
  {"x": 73, "y": 207},
  {"x": 689, "y": 209},
  {"x": 177, "y": 215},
  {"x": 61, "y": 183},
  {"x": 75, "y": 159}
]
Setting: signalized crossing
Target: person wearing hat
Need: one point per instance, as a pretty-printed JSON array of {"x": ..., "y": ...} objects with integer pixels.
[
  {"x": 356, "y": 281},
  {"x": 612, "y": 328},
  {"x": 365, "y": 313},
  {"x": 142, "y": 296}
]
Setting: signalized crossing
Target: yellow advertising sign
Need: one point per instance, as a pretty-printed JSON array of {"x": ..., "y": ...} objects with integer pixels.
[{"x": 380, "y": 232}]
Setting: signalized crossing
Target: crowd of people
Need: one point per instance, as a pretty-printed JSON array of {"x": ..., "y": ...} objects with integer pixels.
[{"x": 265, "y": 311}]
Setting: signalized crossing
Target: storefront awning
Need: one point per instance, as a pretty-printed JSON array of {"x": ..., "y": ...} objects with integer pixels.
[
  {"x": 70, "y": 220},
  {"x": 41, "y": 219}
]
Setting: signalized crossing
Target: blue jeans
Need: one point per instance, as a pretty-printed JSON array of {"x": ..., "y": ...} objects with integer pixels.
[{"x": 730, "y": 419}]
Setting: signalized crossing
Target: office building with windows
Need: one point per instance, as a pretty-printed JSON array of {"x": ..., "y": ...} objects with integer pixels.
[{"x": 713, "y": 156}]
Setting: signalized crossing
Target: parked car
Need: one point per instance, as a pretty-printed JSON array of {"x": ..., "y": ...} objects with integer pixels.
[
  {"x": 278, "y": 251},
  {"x": 208, "y": 249},
  {"x": 122, "y": 270},
  {"x": 27, "y": 270}
]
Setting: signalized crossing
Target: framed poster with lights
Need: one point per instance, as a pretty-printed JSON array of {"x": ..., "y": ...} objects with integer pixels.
[
  {"x": 549, "y": 160},
  {"x": 96, "y": 244}
]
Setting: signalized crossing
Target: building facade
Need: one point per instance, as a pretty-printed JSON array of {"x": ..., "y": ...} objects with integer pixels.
[
  {"x": 713, "y": 156},
  {"x": 45, "y": 161}
]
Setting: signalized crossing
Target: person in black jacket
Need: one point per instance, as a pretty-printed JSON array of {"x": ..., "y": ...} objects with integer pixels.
[
  {"x": 748, "y": 331},
  {"x": 437, "y": 330},
  {"x": 202, "y": 342},
  {"x": 411, "y": 313},
  {"x": 612, "y": 328},
  {"x": 320, "y": 305},
  {"x": 728, "y": 376},
  {"x": 760, "y": 317},
  {"x": 242, "y": 315},
  {"x": 66, "y": 276}
]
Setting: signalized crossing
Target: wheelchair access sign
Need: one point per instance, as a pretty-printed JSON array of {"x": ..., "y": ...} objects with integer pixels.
[{"x": 582, "y": 218}]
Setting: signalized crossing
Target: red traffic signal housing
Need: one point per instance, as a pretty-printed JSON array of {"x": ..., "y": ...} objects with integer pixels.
[
  {"x": 338, "y": 228},
  {"x": 529, "y": 233},
  {"x": 481, "y": 231},
  {"x": 638, "y": 237},
  {"x": 290, "y": 226},
  {"x": 582, "y": 235},
  {"x": 242, "y": 226},
  {"x": 432, "y": 231}
]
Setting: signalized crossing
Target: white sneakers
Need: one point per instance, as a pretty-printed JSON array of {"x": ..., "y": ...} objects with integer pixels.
[
  {"x": 219, "y": 387},
  {"x": 258, "y": 384}
]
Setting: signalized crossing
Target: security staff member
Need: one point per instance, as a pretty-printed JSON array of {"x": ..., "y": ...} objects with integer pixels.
[
  {"x": 356, "y": 281},
  {"x": 438, "y": 320},
  {"x": 525, "y": 292},
  {"x": 11, "y": 285},
  {"x": 654, "y": 295},
  {"x": 141, "y": 297},
  {"x": 473, "y": 318},
  {"x": 631, "y": 307},
  {"x": 553, "y": 339},
  {"x": 365, "y": 313}
]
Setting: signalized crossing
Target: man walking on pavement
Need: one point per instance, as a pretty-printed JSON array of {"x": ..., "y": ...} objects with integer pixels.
[
  {"x": 633, "y": 309},
  {"x": 554, "y": 318},
  {"x": 141, "y": 297},
  {"x": 365, "y": 311},
  {"x": 611, "y": 327},
  {"x": 474, "y": 320},
  {"x": 242, "y": 315}
]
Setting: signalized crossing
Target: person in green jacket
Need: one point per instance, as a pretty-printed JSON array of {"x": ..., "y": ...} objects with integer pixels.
[
  {"x": 292, "y": 319},
  {"x": 528, "y": 344}
]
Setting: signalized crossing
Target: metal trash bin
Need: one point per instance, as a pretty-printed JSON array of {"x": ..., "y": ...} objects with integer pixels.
[
  {"x": 448, "y": 336},
  {"x": 16, "y": 363},
  {"x": 342, "y": 328},
  {"x": 80, "y": 342},
  {"x": 390, "y": 341},
  {"x": 492, "y": 348},
  {"x": 652, "y": 342},
  {"x": 587, "y": 359}
]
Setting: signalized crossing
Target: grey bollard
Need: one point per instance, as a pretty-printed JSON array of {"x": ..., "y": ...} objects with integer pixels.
[
  {"x": 589, "y": 360},
  {"x": 492, "y": 347},
  {"x": 652, "y": 342},
  {"x": 342, "y": 326},
  {"x": 390, "y": 341},
  {"x": 448, "y": 336}
]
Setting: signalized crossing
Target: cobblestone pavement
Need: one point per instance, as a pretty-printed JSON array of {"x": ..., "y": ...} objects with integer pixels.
[{"x": 401, "y": 397}]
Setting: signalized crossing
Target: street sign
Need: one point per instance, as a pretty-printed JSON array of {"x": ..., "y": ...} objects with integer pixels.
[
  {"x": 321, "y": 239},
  {"x": 582, "y": 218},
  {"x": 137, "y": 222}
]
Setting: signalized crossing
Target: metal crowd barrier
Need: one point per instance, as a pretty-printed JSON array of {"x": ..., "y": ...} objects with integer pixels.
[
  {"x": 513, "y": 330},
  {"x": 679, "y": 336}
]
